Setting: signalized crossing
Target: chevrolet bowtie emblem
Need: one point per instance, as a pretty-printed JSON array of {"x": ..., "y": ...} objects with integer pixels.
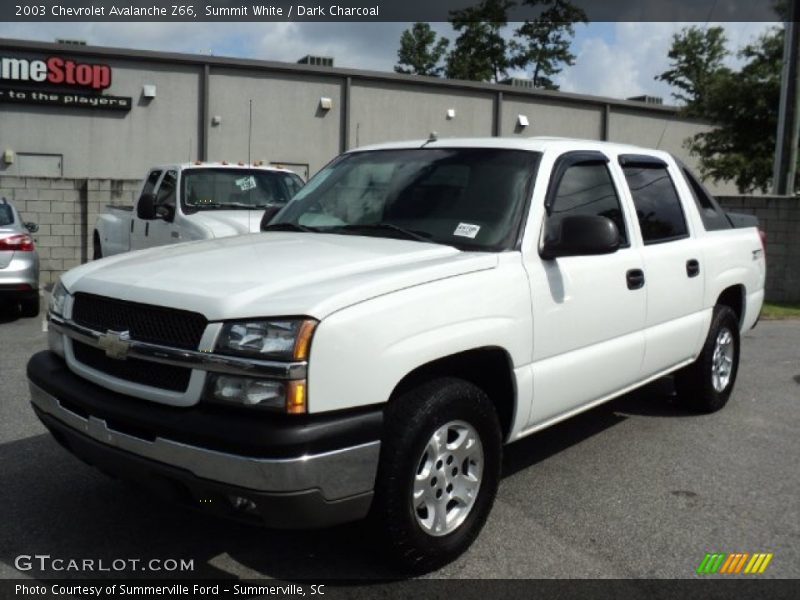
[{"x": 115, "y": 343}]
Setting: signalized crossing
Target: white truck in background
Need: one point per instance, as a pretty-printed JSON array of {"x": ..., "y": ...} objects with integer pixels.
[{"x": 193, "y": 201}]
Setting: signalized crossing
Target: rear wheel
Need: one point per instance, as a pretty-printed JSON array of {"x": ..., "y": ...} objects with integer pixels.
[
  {"x": 706, "y": 384},
  {"x": 439, "y": 472},
  {"x": 97, "y": 249},
  {"x": 29, "y": 307}
]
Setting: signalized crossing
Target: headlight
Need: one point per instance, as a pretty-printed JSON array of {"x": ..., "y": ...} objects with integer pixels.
[
  {"x": 57, "y": 298},
  {"x": 286, "y": 339},
  {"x": 282, "y": 396}
]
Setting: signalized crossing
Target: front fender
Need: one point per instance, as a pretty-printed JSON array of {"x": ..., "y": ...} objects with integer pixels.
[{"x": 360, "y": 354}]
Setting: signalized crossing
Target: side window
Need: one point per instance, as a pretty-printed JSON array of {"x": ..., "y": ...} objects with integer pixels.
[
  {"x": 658, "y": 207},
  {"x": 712, "y": 215},
  {"x": 587, "y": 189},
  {"x": 150, "y": 184},
  {"x": 166, "y": 191}
]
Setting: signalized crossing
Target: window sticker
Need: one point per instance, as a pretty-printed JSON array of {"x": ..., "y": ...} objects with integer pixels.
[
  {"x": 246, "y": 183},
  {"x": 467, "y": 230}
]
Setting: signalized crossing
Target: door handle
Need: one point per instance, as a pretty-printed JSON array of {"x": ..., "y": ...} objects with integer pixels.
[
  {"x": 635, "y": 278},
  {"x": 146, "y": 229},
  {"x": 692, "y": 268}
]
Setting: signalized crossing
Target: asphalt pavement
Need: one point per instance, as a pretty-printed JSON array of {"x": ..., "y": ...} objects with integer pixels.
[{"x": 637, "y": 488}]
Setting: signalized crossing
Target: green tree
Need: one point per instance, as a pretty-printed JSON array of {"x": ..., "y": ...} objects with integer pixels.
[
  {"x": 543, "y": 44},
  {"x": 420, "y": 51},
  {"x": 696, "y": 59},
  {"x": 480, "y": 52},
  {"x": 743, "y": 105}
]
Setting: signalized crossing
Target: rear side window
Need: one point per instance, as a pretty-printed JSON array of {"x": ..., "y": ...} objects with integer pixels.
[
  {"x": 587, "y": 189},
  {"x": 658, "y": 206},
  {"x": 711, "y": 213}
]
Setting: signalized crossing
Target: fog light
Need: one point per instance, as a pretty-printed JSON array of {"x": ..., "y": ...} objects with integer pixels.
[{"x": 250, "y": 392}]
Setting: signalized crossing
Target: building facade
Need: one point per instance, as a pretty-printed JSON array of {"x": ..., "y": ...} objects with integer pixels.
[{"x": 89, "y": 112}]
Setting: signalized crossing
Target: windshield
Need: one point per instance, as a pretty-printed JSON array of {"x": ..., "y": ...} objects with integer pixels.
[
  {"x": 471, "y": 198},
  {"x": 236, "y": 188}
]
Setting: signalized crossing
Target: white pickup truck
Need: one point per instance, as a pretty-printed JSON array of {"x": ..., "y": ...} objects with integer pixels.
[
  {"x": 193, "y": 201},
  {"x": 424, "y": 303}
]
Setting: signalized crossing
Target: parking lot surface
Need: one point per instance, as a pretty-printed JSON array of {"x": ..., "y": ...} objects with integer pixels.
[{"x": 635, "y": 488}]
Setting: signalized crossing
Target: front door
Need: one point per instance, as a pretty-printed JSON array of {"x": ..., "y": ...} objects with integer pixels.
[{"x": 588, "y": 311}]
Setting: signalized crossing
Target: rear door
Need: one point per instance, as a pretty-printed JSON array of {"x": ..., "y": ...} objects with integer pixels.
[
  {"x": 588, "y": 311},
  {"x": 673, "y": 269}
]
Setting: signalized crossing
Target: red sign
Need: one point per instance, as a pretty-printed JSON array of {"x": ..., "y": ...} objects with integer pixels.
[{"x": 56, "y": 71}]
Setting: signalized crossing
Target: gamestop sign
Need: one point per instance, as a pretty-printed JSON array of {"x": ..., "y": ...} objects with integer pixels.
[
  {"x": 56, "y": 71},
  {"x": 45, "y": 81}
]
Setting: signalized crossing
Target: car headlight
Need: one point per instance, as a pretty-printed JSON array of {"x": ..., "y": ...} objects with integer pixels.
[
  {"x": 279, "y": 339},
  {"x": 57, "y": 298}
]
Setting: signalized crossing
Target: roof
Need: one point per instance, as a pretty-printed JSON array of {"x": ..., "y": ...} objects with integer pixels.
[
  {"x": 210, "y": 164},
  {"x": 535, "y": 144}
]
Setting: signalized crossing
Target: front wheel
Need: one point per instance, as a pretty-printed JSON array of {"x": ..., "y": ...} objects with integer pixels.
[
  {"x": 706, "y": 384},
  {"x": 438, "y": 474}
]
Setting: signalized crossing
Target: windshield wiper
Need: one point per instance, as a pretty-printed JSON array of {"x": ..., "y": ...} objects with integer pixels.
[
  {"x": 407, "y": 233},
  {"x": 290, "y": 227}
]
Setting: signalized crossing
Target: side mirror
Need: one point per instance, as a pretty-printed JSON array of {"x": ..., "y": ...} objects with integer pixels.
[
  {"x": 32, "y": 227},
  {"x": 269, "y": 213},
  {"x": 146, "y": 207},
  {"x": 581, "y": 235}
]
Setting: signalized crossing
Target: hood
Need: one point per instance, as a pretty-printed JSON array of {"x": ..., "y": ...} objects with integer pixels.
[
  {"x": 223, "y": 223},
  {"x": 273, "y": 273}
]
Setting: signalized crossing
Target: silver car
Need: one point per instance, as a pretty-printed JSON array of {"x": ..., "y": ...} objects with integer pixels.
[{"x": 19, "y": 261}]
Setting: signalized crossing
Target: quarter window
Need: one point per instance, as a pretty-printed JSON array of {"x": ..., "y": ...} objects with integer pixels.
[
  {"x": 587, "y": 189},
  {"x": 658, "y": 206}
]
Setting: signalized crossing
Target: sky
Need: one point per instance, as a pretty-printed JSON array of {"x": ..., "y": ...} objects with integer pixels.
[{"x": 617, "y": 60}]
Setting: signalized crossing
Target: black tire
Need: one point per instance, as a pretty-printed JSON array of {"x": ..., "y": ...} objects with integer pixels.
[
  {"x": 97, "y": 248},
  {"x": 695, "y": 384},
  {"x": 410, "y": 421},
  {"x": 29, "y": 307}
]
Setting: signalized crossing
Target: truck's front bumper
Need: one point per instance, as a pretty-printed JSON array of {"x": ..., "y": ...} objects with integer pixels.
[{"x": 289, "y": 472}]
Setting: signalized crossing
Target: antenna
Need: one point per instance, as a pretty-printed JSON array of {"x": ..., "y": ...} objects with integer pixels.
[
  {"x": 250, "y": 164},
  {"x": 250, "y": 135},
  {"x": 189, "y": 153}
]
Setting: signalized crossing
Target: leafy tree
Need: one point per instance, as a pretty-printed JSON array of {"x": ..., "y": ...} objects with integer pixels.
[
  {"x": 420, "y": 52},
  {"x": 744, "y": 107},
  {"x": 696, "y": 59},
  {"x": 545, "y": 41},
  {"x": 480, "y": 52}
]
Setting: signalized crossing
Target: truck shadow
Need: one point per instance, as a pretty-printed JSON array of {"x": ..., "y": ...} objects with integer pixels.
[
  {"x": 656, "y": 399},
  {"x": 54, "y": 504}
]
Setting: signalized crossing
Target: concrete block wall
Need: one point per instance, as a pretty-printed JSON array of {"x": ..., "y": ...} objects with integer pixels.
[
  {"x": 779, "y": 217},
  {"x": 65, "y": 210}
]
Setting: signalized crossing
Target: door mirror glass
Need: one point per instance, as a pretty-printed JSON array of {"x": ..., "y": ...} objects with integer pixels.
[
  {"x": 146, "y": 207},
  {"x": 581, "y": 235},
  {"x": 32, "y": 227}
]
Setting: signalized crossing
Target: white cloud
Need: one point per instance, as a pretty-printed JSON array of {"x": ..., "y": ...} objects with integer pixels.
[{"x": 627, "y": 65}]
